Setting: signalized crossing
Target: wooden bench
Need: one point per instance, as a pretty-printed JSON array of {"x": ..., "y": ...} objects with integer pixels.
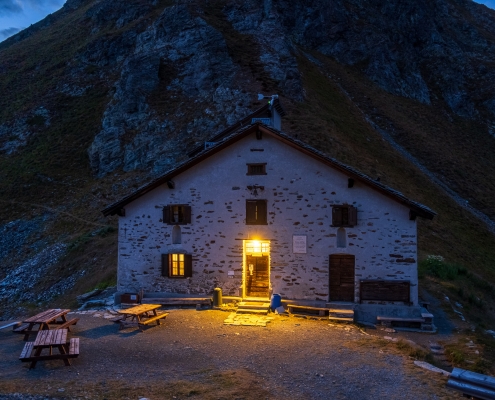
[
  {"x": 155, "y": 318},
  {"x": 28, "y": 356},
  {"x": 68, "y": 324},
  {"x": 140, "y": 316},
  {"x": 126, "y": 324},
  {"x": 174, "y": 301},
  {"x": 21, "y": 328},
  {"x": 308, "y": 311}
]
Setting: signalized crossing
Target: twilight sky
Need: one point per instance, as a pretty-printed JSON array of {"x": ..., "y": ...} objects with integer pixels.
[{"x": 16, "y": 15}]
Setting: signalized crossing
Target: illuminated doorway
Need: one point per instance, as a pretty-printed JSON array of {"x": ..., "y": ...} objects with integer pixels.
[{"x": 256, "y": 269}]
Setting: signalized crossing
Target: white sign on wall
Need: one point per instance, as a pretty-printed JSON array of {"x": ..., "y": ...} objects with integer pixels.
[{"x": 299, "y": 244}]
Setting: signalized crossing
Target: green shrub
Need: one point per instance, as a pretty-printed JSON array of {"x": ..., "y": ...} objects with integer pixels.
[
  {"x": 456, "y": 357},
  {"x": 438, "y": 267}
]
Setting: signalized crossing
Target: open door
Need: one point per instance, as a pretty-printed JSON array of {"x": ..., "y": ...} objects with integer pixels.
[
  {"x": 341, "y": 275},
  {"x": 256, "y": 269},
  {"x": 257, "y": 281}
]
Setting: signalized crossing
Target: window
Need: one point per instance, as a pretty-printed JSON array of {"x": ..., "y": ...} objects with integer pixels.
[
  {"x": 256, "y": 169},
  {"x": 177, "y": 214},
  {"x": 344, "y": 215},
  {"x": 341, "y": 237},
  {"x": 256, "y": 211},
  {"x": 255, "y": 246},
  {"x": 176, "y": 235},
  {"x": 177, "y": 265}
]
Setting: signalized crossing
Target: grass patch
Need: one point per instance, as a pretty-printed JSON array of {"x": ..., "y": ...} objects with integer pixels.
[
  {"x": 472, "y": 353},
  {"x": 414, "y": 351},
  {"x": 438, "y": 267},
  {"x": 107, "y": 283}
]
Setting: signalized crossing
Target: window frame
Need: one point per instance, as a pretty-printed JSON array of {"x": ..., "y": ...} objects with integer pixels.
[
  {"x": 168, "y": 265},
  {"x": 258, "y": 216},
  {"x": 169, "y": 213},
  {"x": 344, "y": 215},
  {"x": 252, "y": 166}
]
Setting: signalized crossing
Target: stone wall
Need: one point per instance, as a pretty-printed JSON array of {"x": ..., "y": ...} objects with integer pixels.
[{"x": 300, "y": 192}]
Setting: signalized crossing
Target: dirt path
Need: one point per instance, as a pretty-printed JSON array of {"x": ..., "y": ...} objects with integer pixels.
[{"x": 195, "y": 356}]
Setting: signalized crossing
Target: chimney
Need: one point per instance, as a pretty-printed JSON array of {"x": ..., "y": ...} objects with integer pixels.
[{"x": 276, "y": 112}]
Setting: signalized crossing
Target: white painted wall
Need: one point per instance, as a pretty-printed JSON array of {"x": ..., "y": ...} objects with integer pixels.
[{"x": 300, "y": 191}]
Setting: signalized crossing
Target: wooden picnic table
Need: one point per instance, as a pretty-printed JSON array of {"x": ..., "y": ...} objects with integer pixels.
[
  {"x": 140, "y": 315},
  {"x": 56, "y": 316},
  {"x": 50, "y": 339}
]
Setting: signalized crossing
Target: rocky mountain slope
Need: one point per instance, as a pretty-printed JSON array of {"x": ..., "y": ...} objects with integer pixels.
[{"x": 103, "y": 95}]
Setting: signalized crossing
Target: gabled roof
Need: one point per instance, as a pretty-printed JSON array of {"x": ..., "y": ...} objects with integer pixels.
[{"x": 416, "y": 209}]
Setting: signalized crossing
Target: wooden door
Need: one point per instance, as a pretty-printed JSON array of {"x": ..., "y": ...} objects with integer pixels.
[
  {"x": 257, "y": 278},
  {"x": 341, "y": 277}
]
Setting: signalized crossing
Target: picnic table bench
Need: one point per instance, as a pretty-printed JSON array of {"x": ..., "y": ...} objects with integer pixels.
[
  {"x": 50, "y": 339},
  {"x": 141, "y": 315},
  {"x": 44, "y": 319}
]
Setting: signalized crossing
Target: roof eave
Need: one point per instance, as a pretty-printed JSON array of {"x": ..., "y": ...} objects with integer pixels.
[{"x": 419, "y": 209}]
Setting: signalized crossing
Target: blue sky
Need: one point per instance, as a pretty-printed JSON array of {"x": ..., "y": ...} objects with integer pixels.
[
  {"x": 488, "y": 3},
  {"x": 16, "y": 15}
]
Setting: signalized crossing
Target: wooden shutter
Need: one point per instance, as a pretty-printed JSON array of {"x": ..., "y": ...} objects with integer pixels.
[
  {"x": 352, "y": 216},
  {"x": 337, "y": 216},
  {"x": 262, "y": 211},
  {"x": 250, "y": 212},
  {"x": 187, "y": 265},
  {"x": 165, "y": 265},
  {"x": 166, "y": 215},
  {"x": 187, "y": 214}
]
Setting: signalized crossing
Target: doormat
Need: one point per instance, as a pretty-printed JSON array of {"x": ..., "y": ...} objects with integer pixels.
[{"x": 247, "y": 320}]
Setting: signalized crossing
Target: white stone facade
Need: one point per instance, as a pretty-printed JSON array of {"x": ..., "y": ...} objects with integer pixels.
[{"x": 300, "y": 191}]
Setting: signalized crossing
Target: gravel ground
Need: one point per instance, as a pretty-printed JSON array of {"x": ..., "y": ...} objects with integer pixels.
[{"x": 193, "y": 355}]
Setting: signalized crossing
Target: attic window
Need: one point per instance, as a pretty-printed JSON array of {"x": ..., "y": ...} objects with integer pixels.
[
  {"x": 177, "y": 214},
  {"x": 256, "y": 212},
  {"x": 344, "y": 215},
  {"x": 256, "y": 169}
]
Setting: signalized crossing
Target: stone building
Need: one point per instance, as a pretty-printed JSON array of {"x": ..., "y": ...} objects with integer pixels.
[{"x": 257, "y": 212}]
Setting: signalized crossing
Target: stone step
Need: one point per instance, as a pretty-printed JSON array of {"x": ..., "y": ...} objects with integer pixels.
[
  {"x": 253, "y": 305},
  {"x": 251, "y": 311},
  {"x": 340, "y": 305},
  {"x": 341, "y": 313}
]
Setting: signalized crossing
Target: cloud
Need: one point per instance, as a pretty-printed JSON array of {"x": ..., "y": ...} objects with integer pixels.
[
  {"x": 5, "y": 33},
  {"x": 10, "y": 7}
]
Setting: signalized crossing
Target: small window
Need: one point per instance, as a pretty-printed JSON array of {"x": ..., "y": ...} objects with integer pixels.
[
  {"x": 177, "y": 214},
  {"x": 177, "y": 265},
  {"x": 176, "y": 235},
  {"x": 344, "y": 215},
  {"x": 341, "y": 237},
  {"x": 256, "y": 212},
  {"x": 256, "y": 169}
]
